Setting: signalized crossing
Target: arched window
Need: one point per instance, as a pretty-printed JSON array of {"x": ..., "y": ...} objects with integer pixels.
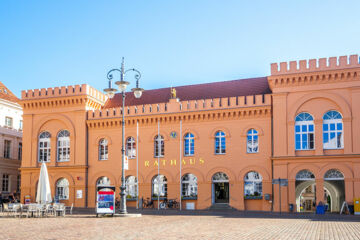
[
  {"x": 130, "y": 147},
  {"x": 333, "y": 174},
  {"x": 189, "y": 144},
  {"x": 333, "y": 130},
  {"x": 103, "y": 181},
  {"x": 62, "y": 189},
  {"x": 159, "y": 186},
  {"x": 159, "y": 146},
  {"x": 253, "y": 184},
  {"x": 103, "y": 149},
  {"x": 304, "y": 132},
  {"x": 252, "y": 141},
  {"x": 189, "y": 186},
  {"x": 63, "y": 146},
  {"x": 131, "y": 187},
  {"x": 220, "y": 177},
  {"x": 305, "y": 175},
  {"x": 44, "y": 147},
  {"x": 220, "y": 146}
]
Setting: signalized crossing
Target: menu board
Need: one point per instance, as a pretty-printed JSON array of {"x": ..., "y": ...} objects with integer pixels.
[{"x": 105, "y": 200}]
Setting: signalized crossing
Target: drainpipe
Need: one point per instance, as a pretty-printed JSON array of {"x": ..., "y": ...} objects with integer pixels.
[
  {"x": 86, "y": 160},
  {"x": 272, "y": 155}
]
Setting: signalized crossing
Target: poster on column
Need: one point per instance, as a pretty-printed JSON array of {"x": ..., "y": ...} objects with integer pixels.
[{"x": 105, "y": 200}]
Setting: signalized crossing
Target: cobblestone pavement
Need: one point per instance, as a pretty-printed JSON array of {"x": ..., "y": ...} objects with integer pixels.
[{"x": 179, "y": 226}]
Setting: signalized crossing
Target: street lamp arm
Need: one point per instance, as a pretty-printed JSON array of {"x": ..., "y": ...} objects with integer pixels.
[
  {"x": 137, "y": 75},
  {"x": 110, "y": 73}
]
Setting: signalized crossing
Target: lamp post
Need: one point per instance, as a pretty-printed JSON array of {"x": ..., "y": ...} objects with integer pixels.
[{"x": 110, "y": 91}]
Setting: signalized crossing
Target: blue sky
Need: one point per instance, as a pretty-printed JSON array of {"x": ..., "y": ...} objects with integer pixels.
[{"x": 58, "y": 43}]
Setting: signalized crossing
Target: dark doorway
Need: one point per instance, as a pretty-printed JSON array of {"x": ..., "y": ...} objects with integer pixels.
[{"x": 221, "y": 191}]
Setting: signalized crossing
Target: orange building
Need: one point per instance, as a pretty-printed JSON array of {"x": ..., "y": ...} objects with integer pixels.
[{"x": 215, "y": 144}]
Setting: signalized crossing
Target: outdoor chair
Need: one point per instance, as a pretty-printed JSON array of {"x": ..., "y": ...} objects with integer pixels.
[
  {"x": 69, "y": 209},
  {"x": 6, "y": 209},
  {"x": 15, "y": 210},
  {"x": 59, "y": 209},
  {"x": 44, "y": 210},
  {"x": 33, "y": 210}
]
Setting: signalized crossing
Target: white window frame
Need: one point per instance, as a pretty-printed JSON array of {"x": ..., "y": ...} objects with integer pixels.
[
  {"x": 103, "y": 181},
  {"x": 252, "y": 144},
  {"x": 328, "y": 123},
  {"x": 7, "y": 148},
  {"x": 306, "y": 120},
  {"x": 63, "y": 146},
  {"x": 62, "y": 189},
  {"x": 221, "y": 137},
  {"x": 5, "y": 183},
  {"x": 103, "y": 149},
  {"x": 131, "y": 187},
  {"x": 44, "y": 147},
  {"x": 159, "y": 146},
  {"x": 189, "y": 142},
  {"x": 130, "y": 147},
  {"x": 252, "y": 184},
  {"x": 8, "y": 122},
  {"x": 189, "y": 186},
  {"x": 159, "y": 183}
]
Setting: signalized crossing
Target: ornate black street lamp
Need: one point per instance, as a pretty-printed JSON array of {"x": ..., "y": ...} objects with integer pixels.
[{"x": 110, "y": 91}]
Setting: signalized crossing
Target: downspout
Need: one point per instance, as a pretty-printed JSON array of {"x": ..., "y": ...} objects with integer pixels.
[
  {"x": 272, "y": 154},
  {"x": 86, "y": 160}
]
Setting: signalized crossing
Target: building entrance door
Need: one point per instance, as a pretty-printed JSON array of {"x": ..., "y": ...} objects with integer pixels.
[
  {"x": 221, "y": 191},
  {"x": 220, "y": 188}
]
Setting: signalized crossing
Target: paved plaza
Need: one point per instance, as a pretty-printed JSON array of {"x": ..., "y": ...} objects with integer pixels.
[{"x": 172, "y": 225}]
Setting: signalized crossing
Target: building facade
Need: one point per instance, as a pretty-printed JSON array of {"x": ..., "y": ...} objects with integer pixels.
[
  {"x": 208, "y": 144},
  {"x": 10, "y": 141}
]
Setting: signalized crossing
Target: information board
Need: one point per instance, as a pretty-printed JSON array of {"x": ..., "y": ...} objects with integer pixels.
[{"x": 105, "y": 200}]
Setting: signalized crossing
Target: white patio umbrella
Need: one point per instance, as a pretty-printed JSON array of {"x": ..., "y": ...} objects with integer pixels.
[{"x": 43, "y": 191}]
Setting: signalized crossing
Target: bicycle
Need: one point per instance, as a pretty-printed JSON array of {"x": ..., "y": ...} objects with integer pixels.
[{"x": 148, "y": 203}]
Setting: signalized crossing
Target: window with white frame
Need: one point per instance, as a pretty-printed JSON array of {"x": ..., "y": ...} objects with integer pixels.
[
  {"x": 159, "y": 146},
  {"x": 5, "y": 182},
  {"x": 131, "y": 187},
  {"x": 20, "y": 151},
  {"x": 333, "y": 136},
  {"x": 304, "y": 132},
  {"x": 44, "y": 147},
  {"x": 189, "y": 143},
  {"x": 21, "y": 125},
  {"x": 220, "y": 144},
  {"x": 103, "y": 181},
  {"x": 7, "y": 148},
  {"x": 252, "y": 141},
  {"x": 8, "y": 122},
  {"x": 62, "y": 189},
  {"x": 130, "y": 147},
  {"x": 253, "y": 184},
  {"x": 159, "y": 186},
  {"x": 63, "y": 146},
  {"x": 189, "y": 186},
  {"x": 103, "y": 149}
]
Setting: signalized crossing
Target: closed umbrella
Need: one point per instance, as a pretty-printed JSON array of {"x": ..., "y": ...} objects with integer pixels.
[{"x": 43, "y": 191}]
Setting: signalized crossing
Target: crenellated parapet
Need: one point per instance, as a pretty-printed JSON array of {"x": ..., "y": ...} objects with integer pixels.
[
  {"x": 313, "y": 65},
  {"x": 242, "y": 105},
  {"x": 63, "y": 96},
  {"x": 343, "y": 70}
]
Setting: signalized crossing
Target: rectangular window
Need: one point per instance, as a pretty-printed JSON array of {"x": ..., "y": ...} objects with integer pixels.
[
  {"x": 21, "y": 125},
  {"x": 18, "y": 183},
  {"x": 5, "y": 183},
  {"x": 7, "y": 148},
  {"x": 20, "y": 151},
  {"x": 8, "y": 122}
]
